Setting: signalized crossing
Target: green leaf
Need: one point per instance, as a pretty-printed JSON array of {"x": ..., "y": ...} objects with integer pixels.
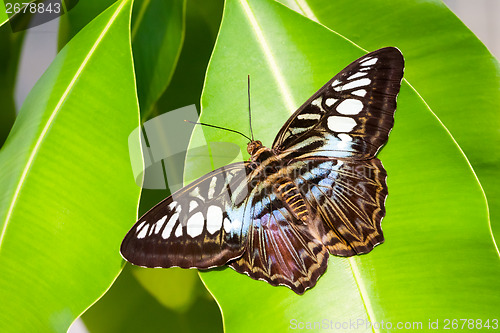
[
  {"x": 438, "y": 260},
  {"x": 78, "y": 17},
  {"x": 128, "y": 307},
  {"x": 4, "y": 18},
  {"x": 202, "y": 24},
  {"x": 452, "y": 70},
  {"x": 9, "y": 60},
  {"x": 163, "y": 285},
  {"x": 68, "y": 194},
  {"x": 157, "y": 36}
]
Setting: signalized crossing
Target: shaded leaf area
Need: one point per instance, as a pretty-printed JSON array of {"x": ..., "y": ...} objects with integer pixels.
[
  {"x": 128, "y": 307},
  {"x": 149, "y": 40},
  {"x": 60, "y": 200},
  {"x": 77, "y": 18},
  {"x": 202, "y": 25},
  {"x": 202, "y": 22},
  {"x": 157, "y": 36},
  {"x": 438, "y": 260},
  {"x": 447, "y": 64},
  {"x": 9, "y": 60}
]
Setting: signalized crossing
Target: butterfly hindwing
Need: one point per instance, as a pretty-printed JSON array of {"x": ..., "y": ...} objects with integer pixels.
[
  {"x": 349, "y": 198},
  {"x": 198, "y": 226},
  {"x": 351, "y": 115},
  {"x": 280, "y": 248}
]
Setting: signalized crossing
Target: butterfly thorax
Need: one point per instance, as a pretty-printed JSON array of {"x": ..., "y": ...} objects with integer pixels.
[
  {"x": 258, "y": 152},
  {"x": 275, "y": 180}
]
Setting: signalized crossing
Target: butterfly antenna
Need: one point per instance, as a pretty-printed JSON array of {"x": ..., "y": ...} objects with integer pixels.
[
  {"x": 249, "y": 109},
  {"x": 222, "y": 128}
]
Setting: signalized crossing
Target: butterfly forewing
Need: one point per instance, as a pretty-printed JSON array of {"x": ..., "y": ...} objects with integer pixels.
[
  {"x": 351, "y": 115},
  {"x": 198, "y": 226}
]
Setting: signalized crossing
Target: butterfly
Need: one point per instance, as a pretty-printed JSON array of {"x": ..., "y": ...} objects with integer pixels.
[{"x": 319, "y": 190}]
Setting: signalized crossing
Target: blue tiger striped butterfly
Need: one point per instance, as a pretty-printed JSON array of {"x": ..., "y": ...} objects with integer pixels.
[{"x": 319, "y": 190}]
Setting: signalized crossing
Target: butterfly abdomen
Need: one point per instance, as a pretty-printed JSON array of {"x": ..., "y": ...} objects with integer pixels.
[{"x": 287, "y": 191}]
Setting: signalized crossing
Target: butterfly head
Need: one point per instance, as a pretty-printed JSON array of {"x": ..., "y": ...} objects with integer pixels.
[{"x": 254, "y": 146}]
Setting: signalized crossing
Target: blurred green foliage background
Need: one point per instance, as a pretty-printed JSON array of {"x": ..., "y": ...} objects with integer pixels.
[{"x": 68, "y": 195}]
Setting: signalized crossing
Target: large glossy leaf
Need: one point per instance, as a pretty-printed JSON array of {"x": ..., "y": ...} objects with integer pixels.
[
  {"x": 67, "y": 187},
  {"x": 202, "y": 24},
  {"x": 112, "y": 312},
  {"x": 452, "y": 70},
  {"x": 157, "y": 36},
  {"x": 78, "y": 17},
  {"x": 3, "y": 14},
  {"x": 128, "y": 307},
  {"x": 9, "y": 60},
  {"x": 438, "y": 260}
]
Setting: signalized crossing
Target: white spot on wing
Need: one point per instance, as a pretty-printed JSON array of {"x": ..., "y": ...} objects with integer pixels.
[
  {"x": 192, "y": 205},
  {"x": 298, "y": 130},
  {"x": 360, "y": 93},
  {"x": 309, "y": 116},
  {"x": 143, "y": 232},
  {"x": 172, "y": 205},
  {"x": 195, "y": 225},
  {"x": 214, "y": 219},
  {"x": 159, "y": 224},
  {"x": 195, "y": 192},
  {"x": 211, "y": 190},
  {"x": 335, "y": 83},
  {"x": 232, "y": 226},
  {"x": 151, "y": 229},
  {"x": 345, "y": 141},
  {"x": 227, "y": 225},
  {"x": 356, "y": 75},
  {"x": 345, "y": 137},
  {"x": 330, "y": 101},
  {"x": 358, "y": 83},
  {"x": 170, "y": 225},
  {"x": 178, "y": 231},
  {"x": 350, "y": 107},
  {"x": 317, "y": 102},
  {"x": 341, "y": 124},
  {"x": 139, "y": 227},
  {"x": 369, "y": 62}
]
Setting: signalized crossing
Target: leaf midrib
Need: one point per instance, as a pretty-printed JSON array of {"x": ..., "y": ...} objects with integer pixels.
[
  {"x": 287, "y": 97},
  {"x": 54, "y": 113}
]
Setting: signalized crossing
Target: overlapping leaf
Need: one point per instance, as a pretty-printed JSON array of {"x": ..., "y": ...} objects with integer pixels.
[
  {"x": 67, "y": 185},
  {"x": 438, "y": 260},
  {"x": 453, "y": 71}
]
